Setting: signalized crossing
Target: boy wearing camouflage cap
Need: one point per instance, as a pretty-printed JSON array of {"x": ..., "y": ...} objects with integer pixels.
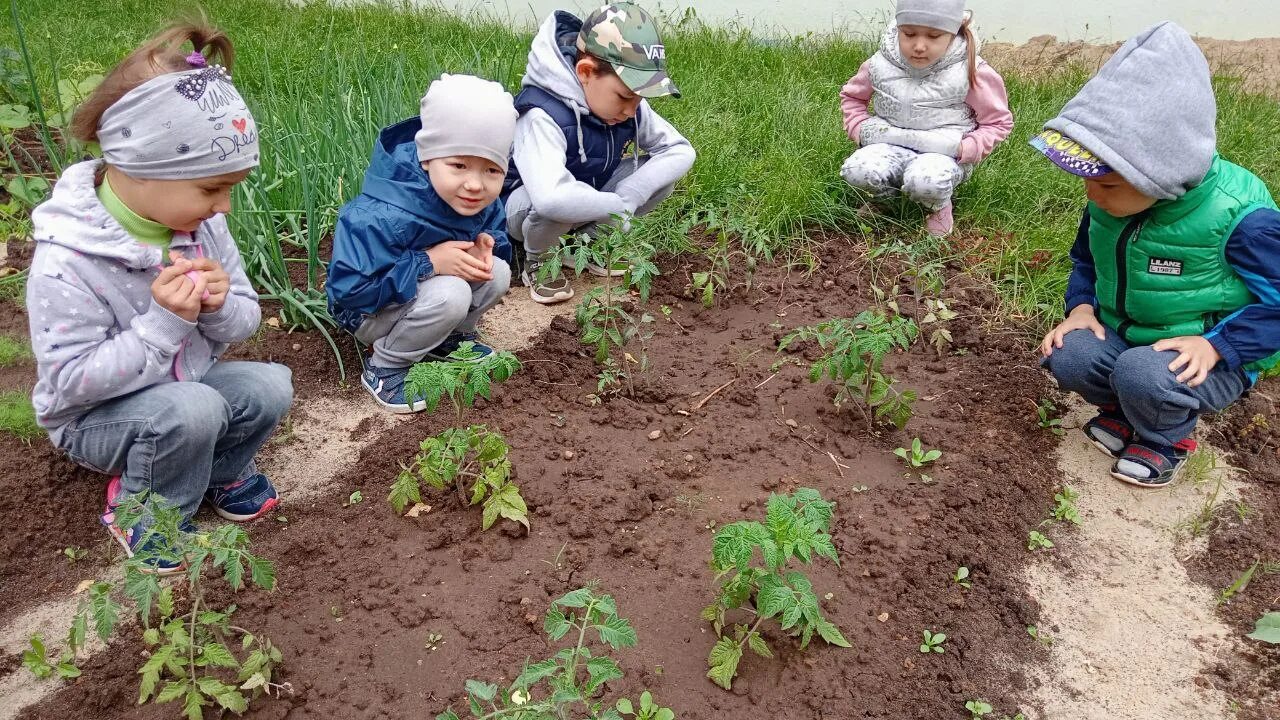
[{"x": 588, "y": 147}]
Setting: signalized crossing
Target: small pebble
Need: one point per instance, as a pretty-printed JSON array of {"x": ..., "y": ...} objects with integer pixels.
[
  {"x": 297, "y": 347},
  {"x": 792, "y": 423},
  {"x": 655, "y": 434},
  {"x": 688, "y": 458},
  {"x": 883, "y": 617},
  {"x": 567, "y": 454},
  {"x": 828, "y": 284}
]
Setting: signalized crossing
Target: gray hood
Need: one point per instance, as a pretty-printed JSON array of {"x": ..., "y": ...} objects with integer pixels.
[
  {"x": 1149, "y": 113},
  {"x": 549, "y": 68}
]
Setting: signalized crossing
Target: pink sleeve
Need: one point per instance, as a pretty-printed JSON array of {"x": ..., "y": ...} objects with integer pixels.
[
  {"x": 854, "y": 97},
  {"x": 990, "y": 105}
]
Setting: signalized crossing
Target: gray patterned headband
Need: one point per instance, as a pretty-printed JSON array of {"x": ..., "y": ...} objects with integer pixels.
[{"x": 180, "y": 126}]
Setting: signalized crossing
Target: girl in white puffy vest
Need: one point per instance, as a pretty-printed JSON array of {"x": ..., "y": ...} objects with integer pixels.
[{"x": 924, "y": 109}]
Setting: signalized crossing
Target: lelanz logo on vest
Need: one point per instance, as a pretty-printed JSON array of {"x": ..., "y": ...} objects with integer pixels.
[
  {"x": 1161, "y": 266},
  {"x": 655, "y": 52}
]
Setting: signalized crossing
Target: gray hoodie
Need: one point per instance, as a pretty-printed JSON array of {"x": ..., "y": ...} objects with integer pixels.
[
  {"x": 1149, "y": 113},
  {"x": 96, "y": 332},
  {"x": 540, "y": 146}
]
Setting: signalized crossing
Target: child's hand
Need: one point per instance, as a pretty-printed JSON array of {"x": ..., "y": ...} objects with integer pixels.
[
  {"x": 1081, "y": 318},
  {"x": 483, "y": 250},
  {"x": 454, "y": 258},
  {"x": 1195, "y": 354},
  {"x": 176, "y": 292},
  {"x": 217, "y": 282}
]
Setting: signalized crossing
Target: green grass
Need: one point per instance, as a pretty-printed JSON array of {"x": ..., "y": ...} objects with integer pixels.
[
  {"x": 13, "y": 350},
  {"x": 763, "y": 115},
  {"x": 17, "y": 417}
]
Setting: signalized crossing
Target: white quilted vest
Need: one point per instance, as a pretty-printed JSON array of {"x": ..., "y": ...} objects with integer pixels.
[{"x": 921, "y": 109}]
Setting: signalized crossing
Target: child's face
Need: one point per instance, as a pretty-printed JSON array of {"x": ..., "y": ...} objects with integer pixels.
[
  {"x": 608, "y": 98},
  {"x": 921, "y": 45},
  {"x": 1116, "y": 196},
  {"x": 467, "y": 183},
  {"x": 180, "y": 205}
]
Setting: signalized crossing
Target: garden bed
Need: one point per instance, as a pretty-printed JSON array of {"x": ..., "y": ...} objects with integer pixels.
[{"x": 361, "y": 589}]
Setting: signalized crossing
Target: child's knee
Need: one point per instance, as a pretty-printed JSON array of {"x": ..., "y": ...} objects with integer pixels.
[
  {"x": 446, "y": 301},
  {"x": 1074, "y": 363},
  {"x": 196, "y": 413},
  {"x": 1142, "y": 372},
  {"x": 867, "y": 174},
  {"x": 274, "y": 394},
  {"x": 929, "y": 181}
]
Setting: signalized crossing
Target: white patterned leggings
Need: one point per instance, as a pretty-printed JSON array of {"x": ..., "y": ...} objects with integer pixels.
[{"x": 885, "y": 170}]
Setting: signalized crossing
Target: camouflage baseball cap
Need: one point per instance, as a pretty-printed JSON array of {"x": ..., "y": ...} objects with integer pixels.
[{"x": 625, "y": 36}]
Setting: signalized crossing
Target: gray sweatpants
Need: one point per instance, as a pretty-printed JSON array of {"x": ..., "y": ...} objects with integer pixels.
[
  {"x": 927, "y": 178},
  {"x": 540, "y": 233},
  {"x": 1161, "y": 409},
  {"x": 402, "y": 335}
]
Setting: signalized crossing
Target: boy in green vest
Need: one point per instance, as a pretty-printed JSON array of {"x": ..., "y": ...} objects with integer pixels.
[{"x": 1173, "y": 306}]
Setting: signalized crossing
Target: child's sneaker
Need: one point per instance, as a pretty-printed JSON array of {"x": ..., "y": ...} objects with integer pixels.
[
  {"x": 243, "y": 500},
  {"x": 441, "y": 352},
  {"x": 1151, "y": 465},
  {"x": 545, "y": 292},
  {"x": 617, "y": 270},
  {"x": 940, "y": 224},
  {"x": 161, "y": 561},
  {"x": 386, "y": 385},
  {"x": 1109, "y": 431}
]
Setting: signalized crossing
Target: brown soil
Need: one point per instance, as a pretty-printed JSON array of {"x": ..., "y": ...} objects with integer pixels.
[
  {"x": 362, "y": 588},
  {"x": 1249, "y": 431},
  {"x": 1255, "y": 62}
]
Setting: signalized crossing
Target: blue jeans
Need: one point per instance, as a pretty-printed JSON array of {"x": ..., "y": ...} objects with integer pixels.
[
  {"x": 179, "y": 439},
  {"x": 1161, "y": 409}
]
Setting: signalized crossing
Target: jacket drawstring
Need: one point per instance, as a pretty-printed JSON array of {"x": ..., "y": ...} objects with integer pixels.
[{"x": 582, "y": 147}]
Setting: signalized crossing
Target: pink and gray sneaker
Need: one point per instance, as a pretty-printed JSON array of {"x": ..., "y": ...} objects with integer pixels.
[
  {"x": 159, "y": 559},
  {"x": 940, "y": 224}
]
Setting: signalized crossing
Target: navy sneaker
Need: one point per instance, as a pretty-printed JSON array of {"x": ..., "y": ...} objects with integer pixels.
[
  {"x": 1109, "y": 431},
  {"x": 161, "y": 560},
  {"x": 386, "y": 385},
  {"x": 243, "y": 500},
  {"x": 441, "y": 352},
  {"x": 1151, "y": 465}
]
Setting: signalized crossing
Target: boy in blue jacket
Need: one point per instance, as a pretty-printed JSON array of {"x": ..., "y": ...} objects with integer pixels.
[
  {"x": 422, "y": 252},
  {"x": 1173, "y": 306}
]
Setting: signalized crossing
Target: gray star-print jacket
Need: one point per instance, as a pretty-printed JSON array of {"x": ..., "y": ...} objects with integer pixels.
[{"x": 96, "y": 332}]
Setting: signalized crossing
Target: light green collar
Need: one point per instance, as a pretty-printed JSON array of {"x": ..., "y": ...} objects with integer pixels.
[{"x": 141, "y": 229}]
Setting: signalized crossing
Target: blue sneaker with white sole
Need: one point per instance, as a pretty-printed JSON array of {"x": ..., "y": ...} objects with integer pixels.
[
  {"x": 243, "y": 500},
  {"x": 386, "y": 385},
  {"x": 441, "y": 352}
]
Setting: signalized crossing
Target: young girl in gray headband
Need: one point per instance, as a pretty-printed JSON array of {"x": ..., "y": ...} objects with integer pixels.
[{"x": 136, "y": 288}]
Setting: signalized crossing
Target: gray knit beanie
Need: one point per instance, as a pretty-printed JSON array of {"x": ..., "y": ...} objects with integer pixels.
[
  {"x": 946, "y": 15},
  {"x": 466, "y": 115}
]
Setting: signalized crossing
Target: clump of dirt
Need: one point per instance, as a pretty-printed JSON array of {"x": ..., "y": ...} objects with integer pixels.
[{"x": 361, "y": 588}]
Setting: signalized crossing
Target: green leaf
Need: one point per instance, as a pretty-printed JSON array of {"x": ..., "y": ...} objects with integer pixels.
[
  {"x": 14, "y": 117},
  {"x": 172, "y": 691},
  {"x": 263, "y": 572},
  {"x": 723, "y": 661},
  {"x": 757, "y": 644},
  {"x": 774, "y": 598},
  {"x": 216, "y": 655},
  {"x": 194, "y": 704},
  {"x": 734, "y": 544},
  {"x": 482, "y": 690},
  {"x": 448, "y": 715},
  {"x": 576, "y": 599},
  {"x": 537, "y": 671},
  {"x": 67, "y": 670},
  {"x": 164, "y": 603},
  {"x": 617, "y": 633},
  {"x": 1267, "y": 629},
  {"x": 829, "y": 632},
  {"x": 556, "y": 624},
  {"x": 601, "y": 670},
  {"x": 624, "y": 706}
]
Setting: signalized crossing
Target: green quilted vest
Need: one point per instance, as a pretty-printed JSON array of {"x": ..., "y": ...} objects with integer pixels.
[{"x": 1163, "y": 273}]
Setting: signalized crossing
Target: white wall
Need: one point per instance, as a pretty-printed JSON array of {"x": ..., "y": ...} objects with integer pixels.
[{"x": 1007, "y": 20}]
